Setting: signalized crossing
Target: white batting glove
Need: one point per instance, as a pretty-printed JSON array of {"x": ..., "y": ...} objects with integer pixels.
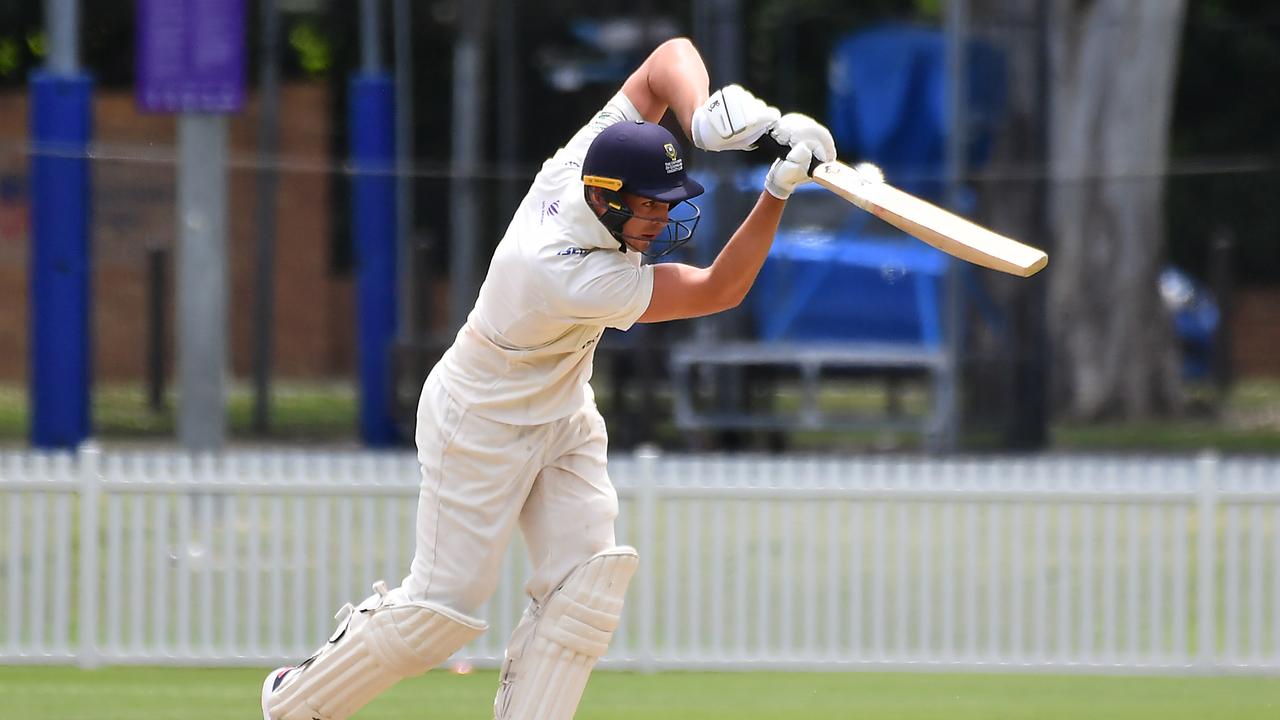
[
  {"x": 787, "y": 173},
  {"x": 795, "y": 129},
  {"x": 731, "y": 119}
]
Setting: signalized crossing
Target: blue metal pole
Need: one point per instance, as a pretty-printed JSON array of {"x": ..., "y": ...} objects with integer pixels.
[
  {"x": 61, "y": 122},
  {"x": 372, "y": 122}
]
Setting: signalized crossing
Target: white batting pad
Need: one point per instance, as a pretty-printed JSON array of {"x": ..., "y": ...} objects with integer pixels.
[
  {"x": 378, "y": 643},
  {"x": 556, "y": 645}
]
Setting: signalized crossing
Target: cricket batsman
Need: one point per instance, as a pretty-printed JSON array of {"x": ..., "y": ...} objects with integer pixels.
[{"x": 507, "y": 427}]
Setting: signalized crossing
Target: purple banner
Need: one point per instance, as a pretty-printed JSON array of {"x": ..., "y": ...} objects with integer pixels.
[{"x": 190, "y": 55}]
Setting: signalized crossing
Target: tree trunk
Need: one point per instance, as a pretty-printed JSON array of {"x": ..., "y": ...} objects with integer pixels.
[{"x": 1112, "y": 65}]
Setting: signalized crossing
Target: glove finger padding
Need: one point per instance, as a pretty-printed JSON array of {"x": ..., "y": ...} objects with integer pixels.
[
  {"x": 731, "y": 119},
  {"x": 788, "y": 173},
  {"x": 799, "y": 129}
]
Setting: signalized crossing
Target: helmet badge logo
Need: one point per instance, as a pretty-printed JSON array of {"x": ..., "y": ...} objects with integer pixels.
[{"x": 674, "y": 163}]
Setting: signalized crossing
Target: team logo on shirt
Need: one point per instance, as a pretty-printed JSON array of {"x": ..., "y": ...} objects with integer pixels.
[
  {"x": 549, "y": 209},
  {"x": 675, "y": 164},
  {"x": 576, "y": 251}
]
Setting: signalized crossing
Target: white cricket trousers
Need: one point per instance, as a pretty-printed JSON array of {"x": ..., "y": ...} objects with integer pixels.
[{"x": 480, "y": 477}]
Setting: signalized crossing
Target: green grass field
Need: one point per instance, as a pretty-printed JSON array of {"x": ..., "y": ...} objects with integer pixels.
[
  {"x": 1246, "y": 420},
  {"x": 128, "y": 693}
]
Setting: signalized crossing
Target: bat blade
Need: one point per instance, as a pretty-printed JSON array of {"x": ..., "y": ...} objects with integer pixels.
[{"x": 944, "y": 230}]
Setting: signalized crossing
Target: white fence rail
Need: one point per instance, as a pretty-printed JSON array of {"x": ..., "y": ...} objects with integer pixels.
[{"x": 1066, "y": 563}]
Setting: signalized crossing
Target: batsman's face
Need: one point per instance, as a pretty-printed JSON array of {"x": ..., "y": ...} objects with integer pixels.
[{"x": 650, "y": 219}]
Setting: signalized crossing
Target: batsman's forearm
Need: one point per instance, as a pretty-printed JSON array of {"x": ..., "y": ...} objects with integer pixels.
[
  {"x": 736, "y": 267},
  {"x": 672, "y": 76}
]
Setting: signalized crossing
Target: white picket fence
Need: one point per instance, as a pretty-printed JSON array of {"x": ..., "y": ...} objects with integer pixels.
[{"x": 1064, "y": 563}]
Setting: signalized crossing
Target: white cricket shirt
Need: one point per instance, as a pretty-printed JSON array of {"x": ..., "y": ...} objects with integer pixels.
[{"x": 556, "y": 281}]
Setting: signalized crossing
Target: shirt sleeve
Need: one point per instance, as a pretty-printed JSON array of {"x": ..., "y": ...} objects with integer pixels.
[
  {"x": 606, "y": 289},
  {"x": 618, "y": 109}
]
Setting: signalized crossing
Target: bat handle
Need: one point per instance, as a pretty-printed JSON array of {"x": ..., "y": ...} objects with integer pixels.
[{"x": 771, "y": 146}]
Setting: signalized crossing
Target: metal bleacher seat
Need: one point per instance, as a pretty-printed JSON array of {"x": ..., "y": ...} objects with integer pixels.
[
  {"x": 828, "y": 305},
  {"x": 841, "y": 295}
]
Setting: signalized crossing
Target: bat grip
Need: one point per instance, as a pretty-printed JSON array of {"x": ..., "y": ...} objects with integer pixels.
[{"x": 771, "y": 146}]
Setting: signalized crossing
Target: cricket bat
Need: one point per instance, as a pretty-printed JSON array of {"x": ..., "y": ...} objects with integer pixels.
[{"x": 865, "y": 187}]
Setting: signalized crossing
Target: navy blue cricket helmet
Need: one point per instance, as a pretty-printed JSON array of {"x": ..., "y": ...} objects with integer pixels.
[{"x": 641, "y": 158}]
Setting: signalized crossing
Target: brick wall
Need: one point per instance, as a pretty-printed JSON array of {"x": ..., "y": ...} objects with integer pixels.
[
  {"x": 133, "y": 212},
  {"x": 1255, "y": 332},
  {"x": 14, "y": 229}
]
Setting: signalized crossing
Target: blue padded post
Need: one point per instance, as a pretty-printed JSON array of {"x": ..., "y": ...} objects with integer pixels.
[
  {"x": 372, "y": 122},
  {"x": 60, "y": 350}
]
